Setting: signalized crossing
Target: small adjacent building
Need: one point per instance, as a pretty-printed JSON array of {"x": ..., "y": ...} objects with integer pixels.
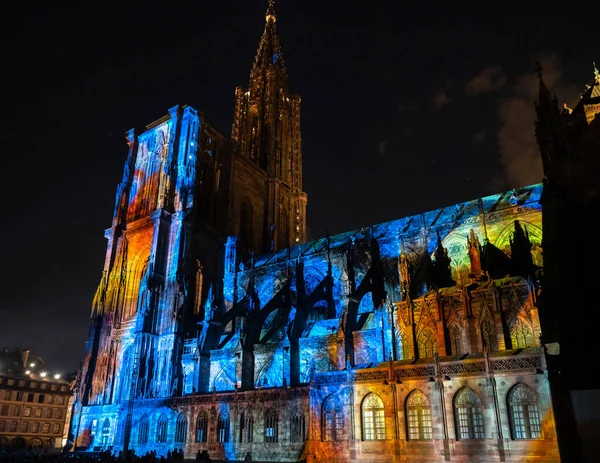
[{"x": 34, "y": 403}]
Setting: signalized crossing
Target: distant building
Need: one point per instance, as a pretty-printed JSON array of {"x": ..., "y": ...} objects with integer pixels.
[
  {"x": 217, "y": 327},
  {"x": 34, "y": 403}
]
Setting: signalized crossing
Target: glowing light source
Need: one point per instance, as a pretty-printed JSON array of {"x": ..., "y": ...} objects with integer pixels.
[
  {"x": 27, "y": 372},
  {"x": 32, "y": 365},
  {"x": 43, "y": 374},
  {"x": 57, "y": 376}
]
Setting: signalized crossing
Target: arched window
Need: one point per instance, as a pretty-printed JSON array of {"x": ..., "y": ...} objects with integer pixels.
[
  {"x": 202, "y": 427},
  {"x": 271, "y": 425},
  {"x": 488, "y": 335},
  {"x": 181, "y": 428},
  {"x": 246, "y": 225},
  {"x": 373, "y": 418},
  {"x": 427, "y": 343},
  {"x": 161, "y": 429},
  {"x": 143, "y": 428},
  {"x": 333, "y": 420},
  {"x": 246, "y": 426},
  {"x": 468, "y": 415},
  {"x": 400, "y": 343},
  {"x": 523, "y": 413},
  {"x": 521, "y": 334},
  {"x": 105, "y": 431},
  {"x": 418, "y": 416},
  {"x": 455, "y": 335},
  {"x": 297, "y": 426},
  {"x": 223, "y": 428},
  {"x": 2, "y": 426}
]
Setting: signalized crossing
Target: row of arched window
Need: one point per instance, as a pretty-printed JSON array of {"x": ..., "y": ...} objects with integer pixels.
[
  {"x": 521, "y": 336},
  {"x": 223, "y": 429},
  {"x": 523, "y": 413}
]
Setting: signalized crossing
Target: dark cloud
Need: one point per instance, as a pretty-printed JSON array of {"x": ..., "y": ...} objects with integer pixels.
[
  {"x": 407, "y": 107},
  {"x": 519, "y": 153},
  {"x": 490, "y": 79},
  {"x": 480, "y": 137},
  {"x": 440, "y": 100}
]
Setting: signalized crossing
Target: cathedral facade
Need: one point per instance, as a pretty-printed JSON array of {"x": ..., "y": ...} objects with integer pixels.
[{"x": 217, "y": 327}]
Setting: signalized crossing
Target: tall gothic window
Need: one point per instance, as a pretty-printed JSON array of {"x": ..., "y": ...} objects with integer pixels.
[
  {"x": 523, "y": 413},
  {"x": 333, "y": 420},
  {"x": 246, "y": 426},
  {"x": 246, "y": 224},
  {"x": 373, "y": 418},
  {"x": 297, "y": 426},
  {"x": 468, "y": 415},
  {"x": 400, "y": 343},
  {"x": 271, "y": 426},
  {"x": 202, "y": 427},
  {"x": 418, "y": 416},
  {"x": 143, "y": 429},
  {"x": 181, "y": 428},
  {"x": 455, "y": 340},
  {"x": 521, "y": 334},
  {"x": 427, "y": 343},
  {"x": 105, "y": 431},
  {"x": 488, "y": 335},
  {"x": 162, "y": 428},
  {"x": 223, "y": 428}
]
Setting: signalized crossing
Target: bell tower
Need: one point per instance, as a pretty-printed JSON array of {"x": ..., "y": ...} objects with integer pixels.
[{"x": 266, "y": 133}]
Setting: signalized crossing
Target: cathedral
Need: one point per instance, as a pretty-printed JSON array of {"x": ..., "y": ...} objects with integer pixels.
[{"x": 216, "y": 326}]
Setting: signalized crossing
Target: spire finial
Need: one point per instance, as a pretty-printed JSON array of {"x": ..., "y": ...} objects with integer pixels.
[
  {"x": 596, "y": 72},
  {"x": 271, "y": 11}
]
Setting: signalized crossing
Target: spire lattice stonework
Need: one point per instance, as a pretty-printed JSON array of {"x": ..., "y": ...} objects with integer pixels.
[
  {"x": 269, "y": 53},
  {"x": 266, "y": 132}
]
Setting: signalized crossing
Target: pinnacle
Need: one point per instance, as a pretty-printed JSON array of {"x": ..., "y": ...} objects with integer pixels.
[{"x": 270, "y": 16}]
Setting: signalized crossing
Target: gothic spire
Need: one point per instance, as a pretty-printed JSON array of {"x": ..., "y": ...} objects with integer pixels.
[
  {"x": 543, "y": 94},
  {"x": 268, "y": 55}
]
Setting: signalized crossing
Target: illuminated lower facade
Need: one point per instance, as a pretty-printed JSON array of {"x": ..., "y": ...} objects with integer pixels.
[
  {"x": 408, "y": 339},
  {"x": 484, "y": 408}
]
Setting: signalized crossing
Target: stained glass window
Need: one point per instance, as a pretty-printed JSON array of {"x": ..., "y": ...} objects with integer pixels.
[
  {"x": 373, "y": 418},
  {"x": 143, "y": 430},
  {"x": 418, "y": 416},
  {"x": 297, "y": 426},
  {"x": 181, "y": 428},
  {"x": 161, "y": 429},
  {"x": 488, "y": 335},
  {"x": 202, "y": 427},
  {"x": 246, "y": 426},
  {"x": 333, "y": 420},
  {"x": 468, "y": 415},
  {"x": 455, "y": 340},
  {"x": 427, "y": 343},
  {"x": 223, "y": 428},
  {"x": 521, "y": 334},
  {"x": 523, "y": 413},
  {"x": 271, "y": 425}
]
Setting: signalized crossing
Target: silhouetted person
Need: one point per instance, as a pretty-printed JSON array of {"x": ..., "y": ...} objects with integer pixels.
[{"x": 248, "y": 457}]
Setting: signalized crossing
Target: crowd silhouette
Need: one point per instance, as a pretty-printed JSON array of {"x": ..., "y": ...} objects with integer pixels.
[{"x": 35, "y": 456}]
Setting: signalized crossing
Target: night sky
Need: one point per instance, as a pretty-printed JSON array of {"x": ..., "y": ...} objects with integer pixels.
[{"x": 405, "y": 108}]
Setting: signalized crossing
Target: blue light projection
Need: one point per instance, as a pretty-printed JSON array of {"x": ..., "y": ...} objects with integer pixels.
[{"x": 270, "y": 323}]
